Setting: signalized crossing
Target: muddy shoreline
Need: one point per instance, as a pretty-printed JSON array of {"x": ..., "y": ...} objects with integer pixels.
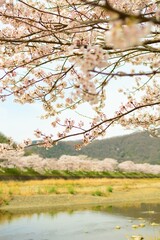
[{"x": 42, "y": 203}]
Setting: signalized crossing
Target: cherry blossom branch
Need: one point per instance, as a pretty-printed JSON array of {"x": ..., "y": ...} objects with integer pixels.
[
  {"x": 123, "y": 74},
  {"x": 111, "y": 121},
  {"x": 122, "y": 14}
]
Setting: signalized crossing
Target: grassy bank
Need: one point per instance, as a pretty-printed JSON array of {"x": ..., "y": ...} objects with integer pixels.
[
  {"x": 28, "y": 174},
  {"x": 61, "y": 192}
]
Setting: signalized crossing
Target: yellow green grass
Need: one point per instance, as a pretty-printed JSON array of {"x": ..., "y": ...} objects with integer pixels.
[{"x": 93, "y": 190}]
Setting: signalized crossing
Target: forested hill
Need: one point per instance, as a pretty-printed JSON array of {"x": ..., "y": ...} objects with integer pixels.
[
  {"x": 3, "y": 138},
  {"x": 138, "y": 147}
]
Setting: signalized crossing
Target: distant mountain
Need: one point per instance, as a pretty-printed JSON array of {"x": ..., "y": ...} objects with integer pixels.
[
  {"x": 137, "y": 147},
  {"x": 3, "y": 138}
]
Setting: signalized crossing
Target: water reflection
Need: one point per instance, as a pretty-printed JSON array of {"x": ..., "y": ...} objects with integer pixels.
[{"x": 94, "y": 223}]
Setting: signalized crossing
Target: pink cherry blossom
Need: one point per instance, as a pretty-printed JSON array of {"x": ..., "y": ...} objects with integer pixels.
[{"x": 66, "y": 53}]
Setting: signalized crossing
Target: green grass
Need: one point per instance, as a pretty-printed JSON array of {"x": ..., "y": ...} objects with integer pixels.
[
  {"x": 71, "y": 190},
  {"x": 97, "y": 193},
  {"x": 6, "y": 202},
  {"x": 12, "y": 171},
  {"x": 110, "y": 189},
  {"x": 29, "y": 173},
  {"x": 52, "y": 190}
]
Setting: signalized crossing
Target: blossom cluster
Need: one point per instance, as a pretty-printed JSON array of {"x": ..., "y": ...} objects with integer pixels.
[
  {"x": 65, "y": 53},
  {"x": 123, "y": 35}
]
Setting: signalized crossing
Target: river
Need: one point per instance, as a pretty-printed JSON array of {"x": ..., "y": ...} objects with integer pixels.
[{"x": 94, "y": 223}]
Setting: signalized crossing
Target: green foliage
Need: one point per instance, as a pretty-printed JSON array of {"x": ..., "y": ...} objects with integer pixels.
[
  {"x": 6, "y": 202},
  {"x": 14, "y": 173},
  {"x": 3, "y": 138},
  {"x": 71, "y": 190},
  {"x": 28, "y": 152},
  {"x": 97, "y": 193},
  {"x": 137, "y": 147},
  {"x": 52, "y": 190},
  {"x": 10, "y": 193},
  {"x": 110, "y": 189},
  {"x": 19, "y": 172},
  {"x": 30, "y": 172}
]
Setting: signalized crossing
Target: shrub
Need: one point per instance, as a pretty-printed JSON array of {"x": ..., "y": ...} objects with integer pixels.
[
  {"x": 110, "y": 189},
  {"x": 97, "y": 193},
  {"x": 52, "y": 190},
  {"x": 71, "y": 190}
]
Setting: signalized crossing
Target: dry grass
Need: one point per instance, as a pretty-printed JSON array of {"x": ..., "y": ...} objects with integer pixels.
[{"x": 130, "y": 189}]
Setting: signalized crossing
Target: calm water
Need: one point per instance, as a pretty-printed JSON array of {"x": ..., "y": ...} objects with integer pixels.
[{"x": 97, "y": 223}]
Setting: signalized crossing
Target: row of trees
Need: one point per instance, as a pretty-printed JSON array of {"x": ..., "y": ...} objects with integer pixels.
[
  {"x": 65, "y": 53},
  {"x": 75, "y": 163}
]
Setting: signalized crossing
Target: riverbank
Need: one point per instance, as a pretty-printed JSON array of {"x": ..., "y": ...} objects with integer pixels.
[
  {"x": 42, "y": 194},
  {"x": 8, "y": 174}
]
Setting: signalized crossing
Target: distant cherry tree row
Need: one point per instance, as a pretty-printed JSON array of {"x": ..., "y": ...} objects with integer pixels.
[{"x": 74, "y": 163}]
